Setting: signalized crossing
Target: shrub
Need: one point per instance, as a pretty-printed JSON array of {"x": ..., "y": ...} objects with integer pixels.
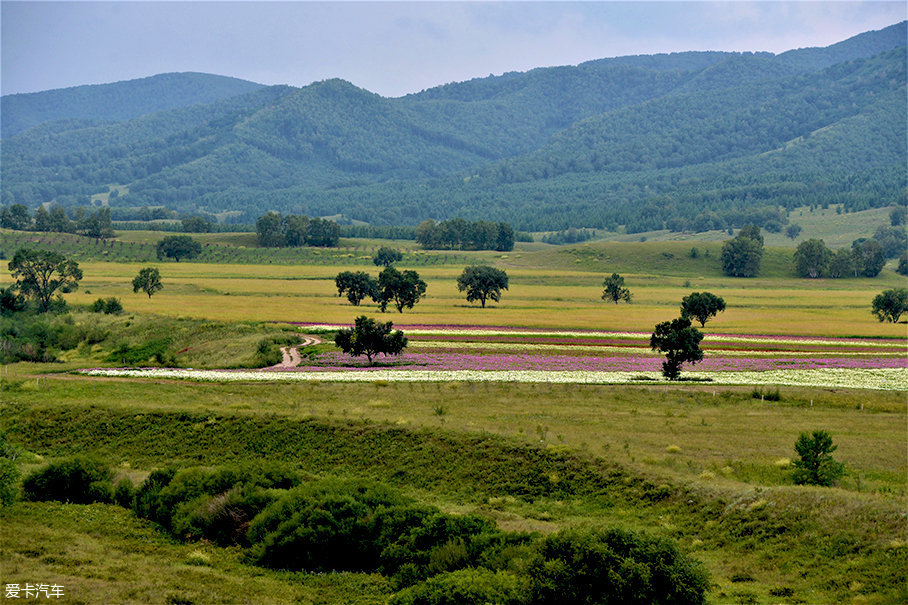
[
  {"x": 613, "y": 566},
  {"x": 79, "y": 480},
  {"x": 464, "y": 586},
  {"x": 221, "y": 518},
  {"x": 124, "y": 492},
  {"x": 329, "y": 525},
  {"x": 9, "y": 481}
]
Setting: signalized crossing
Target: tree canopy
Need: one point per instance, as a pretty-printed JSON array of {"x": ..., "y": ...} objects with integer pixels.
[
  {"x": 40, "y": 274},
  {"x": 482, "y": 282},
  {"x": 370, "y": 338},
  {"x": 385, "y": 257},
  {"x": 614, "y": 289},
  {"x": 178, "y": 247},
  {"x": 356, "y": 284},
  {"x": 815, "y": 464},
  {"x": 404, "y": 289},
  {"x": 889, "y": 305},
  {"x": 812, "y": 258},
  {"x": 701, "y": 306},
  {"x": 148, "y": 281},
  {"x": 679, "y": 342},
  {"x": 741, "y": 256}
]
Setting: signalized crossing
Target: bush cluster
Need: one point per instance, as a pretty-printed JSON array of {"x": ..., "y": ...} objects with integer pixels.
[
  {"x": 108, "y": 306},
  {"x": 431, "y": 557}
]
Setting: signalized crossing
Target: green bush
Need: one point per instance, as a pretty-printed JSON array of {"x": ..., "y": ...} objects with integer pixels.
[
  {"x": 234, "y": 494},
  {"x": 79, "y": 480},
  {"x": 612, "y": 566},
  {"x": 9, "y": 481},
  {"x": 465, "y": 587},
  {"x": 124, "y": 492},
  {"x": 815, "y": 465},
  {"x": 329, "y": 525}
]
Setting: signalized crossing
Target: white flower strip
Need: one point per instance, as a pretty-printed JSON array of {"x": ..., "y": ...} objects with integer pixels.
[
  {"x": 626, "y": 335},
  {"x": 883, "y": 379},
  {"x": 416, "y": 345}
]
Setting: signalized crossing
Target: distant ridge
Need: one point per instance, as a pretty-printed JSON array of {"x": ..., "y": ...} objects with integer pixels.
[
  {"x": 698, "y": 140},
  {"x": 117, "y": 101}
]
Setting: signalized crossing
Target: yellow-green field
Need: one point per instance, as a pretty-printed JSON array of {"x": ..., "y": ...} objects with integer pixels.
[{"x": 540, "y": 298}]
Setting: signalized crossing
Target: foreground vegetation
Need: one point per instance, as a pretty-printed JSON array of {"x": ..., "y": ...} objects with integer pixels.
[{"x": 540, "y": 470}]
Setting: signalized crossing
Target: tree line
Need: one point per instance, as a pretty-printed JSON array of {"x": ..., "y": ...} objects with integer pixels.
[
  {"x": 460, "y": 234},
  {"x": 82, "y": 222},
  {"x": 293, "y": 230}
]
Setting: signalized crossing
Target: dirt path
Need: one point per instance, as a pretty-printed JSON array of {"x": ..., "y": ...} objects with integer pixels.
[{"x": 292, "y": 355}]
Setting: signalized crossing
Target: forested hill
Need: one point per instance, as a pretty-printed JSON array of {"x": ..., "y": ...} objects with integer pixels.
[
  {"x": 705, "y": 138},
  {"x": 117, "y": 101}
]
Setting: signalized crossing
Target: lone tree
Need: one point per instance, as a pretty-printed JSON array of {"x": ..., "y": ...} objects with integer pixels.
[
  {"x": 815, "y": 465},
  {"x": 356, "y": 284},
  {"x": 812, "y": 258},
  {"x": 615, "y": 290},
  {"x": 385, "y": 257},
  {"x": 177, "y": 247},
  {"x": 368, "y": 337},
  {"x": 482, "y": 282},
  {"x": 701, "y": 306},
  {"x": 148, "y": 281},
  {"x": 680, "y": 343},
  {"x": 39, "y": 274},
  {"x": 404, "y": 289},
  {"x": 741, "y": 256},
  {"x": 793, "y": 231},
  {"x": 889, "y": 305}
]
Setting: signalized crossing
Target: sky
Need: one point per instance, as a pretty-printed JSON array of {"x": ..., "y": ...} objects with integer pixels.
[{"x": 391, "y": 48}]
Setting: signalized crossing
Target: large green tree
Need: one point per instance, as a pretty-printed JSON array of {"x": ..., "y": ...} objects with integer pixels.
[
  {"x": 40, "y": 274},
  {"x": 148, "y": 281},
  {"x": 482, "y": 282},
  {"x": 385, "y": 257},
  {"x": 679, "y": 342},
  {"x": 741, "y": 255},
  {"x": 177, "y": 247},
  {"x": 701, "y": 306},
  {"x": 404, "y": 289},
  {"x": 812, "y": 258},
  {"x": 356, "y": 284},
  {"x": 889, "y": 305},
  {"x": 370, "y": 338}
]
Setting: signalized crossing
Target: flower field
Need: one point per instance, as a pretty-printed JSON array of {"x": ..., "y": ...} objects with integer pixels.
[{"x": 472, "y": 353}]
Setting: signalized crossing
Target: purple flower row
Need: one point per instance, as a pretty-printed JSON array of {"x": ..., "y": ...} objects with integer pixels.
[{"x": 517, "y": 361}]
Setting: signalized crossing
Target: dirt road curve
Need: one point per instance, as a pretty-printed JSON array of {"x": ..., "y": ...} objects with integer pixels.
[{"x": 292, "y": 355}]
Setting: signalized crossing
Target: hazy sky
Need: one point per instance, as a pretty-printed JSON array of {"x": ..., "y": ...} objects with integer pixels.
[{"x": 391, "y": 48}]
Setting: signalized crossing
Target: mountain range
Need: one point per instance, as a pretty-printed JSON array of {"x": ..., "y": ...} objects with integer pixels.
[{"x": 686, "y": 140}]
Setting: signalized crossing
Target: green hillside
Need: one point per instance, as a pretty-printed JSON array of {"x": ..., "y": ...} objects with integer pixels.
[
  {"x": 686, "y": 141},
  {"x": 118, "y": 101}
]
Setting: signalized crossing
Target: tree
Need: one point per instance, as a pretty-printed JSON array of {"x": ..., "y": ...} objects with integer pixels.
[
  {"x": 793, "y": 231},
  {"x": 196, "y": 224},
  {"x": 679, "y": 342},
  {"x": 385, "y": 257},
  {"x": 890, "y": 304},
  {"x": 368, "y": 337},
  {"x": 897, "y": 216},
  {"x": 615, "y": 290},
  {"x": 41, "y": 273},
  {"x": 322, "y": 232},
  {"x": 15, "y": 217},
  {"x": 404, "y": 289},
  {"x": 357, "y": 285},
  {"x": 482, "y": 282},
  {"x": 868, "y": 257},
  {"x": 816, "y": 465},
  {"x": 269, "y": 230},
  {"x": 148, "y": 281},
  {"x": 902, "y": 268},
  {"x": 741, "y": 256},
  {"x": 841, "y": 264},
  {"x": 812, "y": 258},
  {"x": 178, "y": 246},
  {"x": 701, "y": 306}
]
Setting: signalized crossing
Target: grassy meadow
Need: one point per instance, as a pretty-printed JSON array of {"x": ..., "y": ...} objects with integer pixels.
[{"x": 707, "y": 466}]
